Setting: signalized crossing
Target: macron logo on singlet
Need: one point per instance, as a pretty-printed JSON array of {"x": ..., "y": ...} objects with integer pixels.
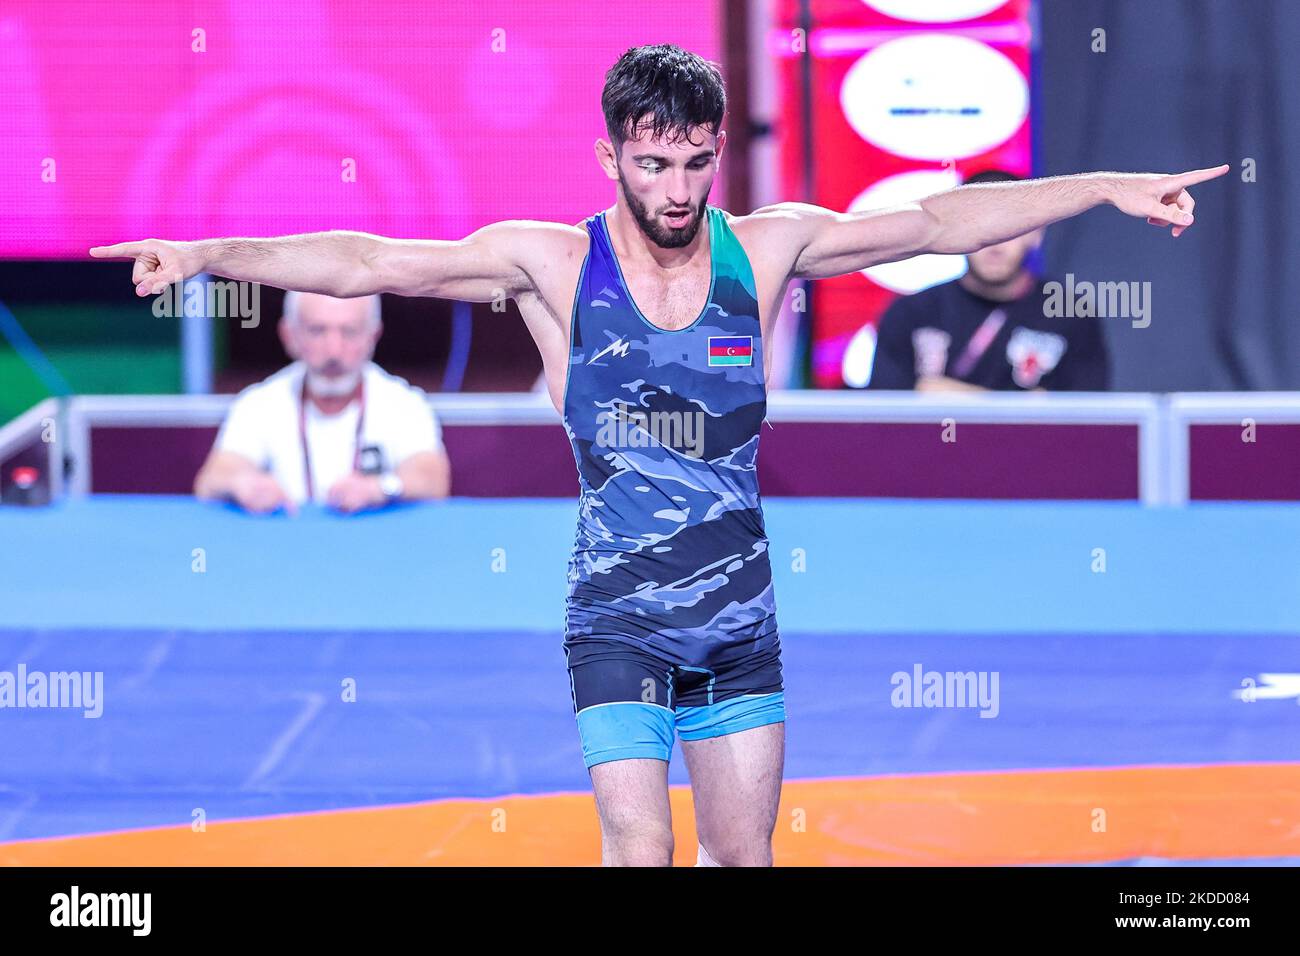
[{"x": 617, "y": 347}]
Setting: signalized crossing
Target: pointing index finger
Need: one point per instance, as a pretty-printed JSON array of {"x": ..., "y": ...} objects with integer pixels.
[
  {"x": 1183, "y": 180},
  {"x": 119, "y": 251}
]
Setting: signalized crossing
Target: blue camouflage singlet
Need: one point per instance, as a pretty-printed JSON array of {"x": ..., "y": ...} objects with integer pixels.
[{"x": 671, "y": 550}]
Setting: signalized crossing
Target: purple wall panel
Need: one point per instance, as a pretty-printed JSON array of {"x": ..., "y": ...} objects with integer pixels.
[
  {"x": 488, "y": 461},
  {"x": 1222, "y": 467},
  {"x": 137, "y": 459},
  {"x": 906, "y": 460},
  {"x": 816, "y": 459},
  {"x": 511, "y": 461}
]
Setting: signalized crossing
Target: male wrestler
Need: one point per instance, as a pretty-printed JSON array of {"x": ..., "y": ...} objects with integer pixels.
[{"x": 651, "y": 319}]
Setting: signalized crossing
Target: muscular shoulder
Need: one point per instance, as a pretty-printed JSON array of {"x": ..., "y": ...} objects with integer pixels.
[
  {"x": 780, "y": 220},
  {"x": 551, "y": 255},
  {"x": 536, "y": 244},
  {"x": 777, "y": 233}
]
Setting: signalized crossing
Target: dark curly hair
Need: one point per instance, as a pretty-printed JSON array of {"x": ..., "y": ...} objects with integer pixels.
[{"x": 665, "y": 89}]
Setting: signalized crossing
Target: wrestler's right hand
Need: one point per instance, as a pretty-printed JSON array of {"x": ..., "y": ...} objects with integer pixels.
[{"x": 158, "y": 263}]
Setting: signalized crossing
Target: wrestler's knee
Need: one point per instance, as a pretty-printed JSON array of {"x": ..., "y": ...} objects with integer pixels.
[{"x": 749, "y": 853}]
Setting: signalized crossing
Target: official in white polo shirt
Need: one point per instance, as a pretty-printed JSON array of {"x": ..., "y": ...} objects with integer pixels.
[{"x": 333, "y": 427}]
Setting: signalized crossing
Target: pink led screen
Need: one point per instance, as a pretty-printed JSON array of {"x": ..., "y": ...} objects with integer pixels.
[{"x": 185, "y": 120}]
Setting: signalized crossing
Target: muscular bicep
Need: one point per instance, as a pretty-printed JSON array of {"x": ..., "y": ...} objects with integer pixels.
[
  {"x": 823, "y": 243},
  {"x": 486, "y": 266}
]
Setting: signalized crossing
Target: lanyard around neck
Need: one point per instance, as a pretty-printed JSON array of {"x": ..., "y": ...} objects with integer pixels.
[
  {"x": 979, "y": 343},
  {"x": 360, "y": 395}
]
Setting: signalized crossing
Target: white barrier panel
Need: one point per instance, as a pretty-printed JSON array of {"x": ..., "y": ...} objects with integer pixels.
[{"x": 31, "y": 427}]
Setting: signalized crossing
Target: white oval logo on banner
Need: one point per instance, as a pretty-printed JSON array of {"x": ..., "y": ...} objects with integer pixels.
[
  {"x": 859, "y": 358},
  {"x": 934, "y": 97},
  {"x": 935, "y": 11},
  {"x": 919, "y": 272}
]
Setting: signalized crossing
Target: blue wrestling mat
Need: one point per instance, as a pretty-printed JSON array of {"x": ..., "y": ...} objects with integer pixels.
[{"x": 229, "y": 644}]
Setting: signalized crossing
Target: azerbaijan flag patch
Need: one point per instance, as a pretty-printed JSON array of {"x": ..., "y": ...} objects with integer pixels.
[{"x": 731, "y": 350}]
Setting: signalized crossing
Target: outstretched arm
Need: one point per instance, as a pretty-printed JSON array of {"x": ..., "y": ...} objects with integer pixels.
[
  {"x": 971, "y": 217},
  {"x": 478, "y": 268}
]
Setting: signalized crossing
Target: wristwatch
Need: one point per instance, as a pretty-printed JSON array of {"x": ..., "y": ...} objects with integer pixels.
[{"x": 391, "y": 485}]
